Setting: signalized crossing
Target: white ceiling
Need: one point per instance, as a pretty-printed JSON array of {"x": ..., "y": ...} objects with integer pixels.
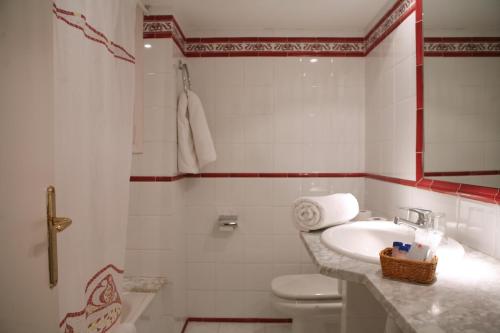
[
  {"x": 339, "y": 18},
  {"x": 468, "y": 18}
]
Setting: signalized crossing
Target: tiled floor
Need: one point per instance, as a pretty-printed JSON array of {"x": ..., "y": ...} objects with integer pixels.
[{"x": 196, "y": 327}]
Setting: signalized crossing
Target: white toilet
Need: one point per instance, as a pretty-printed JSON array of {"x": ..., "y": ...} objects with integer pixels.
[{"x": 313, "y": 301}]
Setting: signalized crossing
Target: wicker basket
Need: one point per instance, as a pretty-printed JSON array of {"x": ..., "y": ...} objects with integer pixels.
[{"x": 407, "y": 270}]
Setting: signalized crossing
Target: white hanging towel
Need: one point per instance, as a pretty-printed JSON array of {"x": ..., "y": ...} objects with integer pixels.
[
  {"x": 195, "y": 145},
  {"x": 312, "y": 213}
]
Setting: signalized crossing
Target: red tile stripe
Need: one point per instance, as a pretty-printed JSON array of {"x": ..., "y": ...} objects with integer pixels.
[
  {"x": 248, "y": 175},
  {"x": 485, "y": 194},
  {"x": 419, "y": 107},
  {"x": 234, "y": 320},
  {"x": 165, "y": 26}
]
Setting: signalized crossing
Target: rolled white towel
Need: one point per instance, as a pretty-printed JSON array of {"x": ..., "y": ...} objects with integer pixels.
[{"x": 312, "y": 213}]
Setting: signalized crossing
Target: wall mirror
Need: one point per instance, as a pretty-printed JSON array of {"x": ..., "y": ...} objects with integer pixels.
[{"x": 462, "y": 91}]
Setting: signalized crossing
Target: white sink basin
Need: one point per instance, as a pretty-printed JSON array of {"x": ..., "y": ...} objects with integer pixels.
[{"x": 363, "y": 240}]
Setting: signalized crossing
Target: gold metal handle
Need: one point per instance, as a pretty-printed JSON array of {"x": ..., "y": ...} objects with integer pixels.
[{"x": 54, "y": 225}]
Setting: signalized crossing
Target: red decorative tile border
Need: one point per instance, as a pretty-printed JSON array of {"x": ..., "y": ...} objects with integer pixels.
[
  {"x": 234, "y": 320},
  {"x": 165, "y": 26},
  {"x": 79, "y": 21},
  {"x": 390, "y": 21},
  {"x": 462, "y": 47}
]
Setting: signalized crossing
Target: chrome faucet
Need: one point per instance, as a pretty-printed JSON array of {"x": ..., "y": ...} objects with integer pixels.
[{"x": 424, "y": 218}]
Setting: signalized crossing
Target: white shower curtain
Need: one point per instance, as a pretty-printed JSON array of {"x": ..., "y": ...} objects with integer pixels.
[{"x": 94, "y": 99}]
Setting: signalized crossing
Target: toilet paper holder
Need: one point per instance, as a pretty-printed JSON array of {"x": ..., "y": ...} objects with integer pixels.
[{"x": 228, "y": 221}]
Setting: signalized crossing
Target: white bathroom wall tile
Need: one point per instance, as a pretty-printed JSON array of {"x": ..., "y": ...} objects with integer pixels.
[
  {"x": 200, "y": 248},
  {"x": 287, "y": 249},
  {"x": 258, "y": 158},
  {"x": 229, "y": 71},
  {"x": 259, "y": 303},
  {"x": 258, "y": 248},
  {"x": 150, "y": 161},
  {"x": 288, "y": 157},
  {"x": 201, "y": 276},
  {"x": 348, "y": 71},
  {"x": 285, "y": 190},
  {"x": 230, "y": 304},
  {"x": 309, "y": 269},
  {"x": 288, "y": 127},
  {"x": 229, "y": 247},
  {"x": 258, "y": 129},
  {"x": 497, "y": 240},
  {"x": 200, "y": 192},
  {"x": 281, "y": 222},
  {"x": 148, "y": 262},
  {"x": 230, "y": 276},
  {"x": 229, "y": 128},
  {"x": 318, "y": 157},
  {"x": 259, "y": 71},
  {"x": 159, "y": 90},
  {"x": 491, "y": 156},
  {"x": 316, "y": 127},
  {"x": 257, "y": 277},
  {"x": 150, "y": 199},
  {"x": 256, "y": 191},
  {"x": 405, "y": 79},
  {"x": 345, "y": 126},
  {"x": 477, "y": 225},
  {"x": 229, "y": 191},
  {"x": 286, "y": 269},
  {"x": 259, "y": 99},
  {"x": 229, "y": 99},
  {"x": 201, "y": 303},
  {"x": 345, "y": 157},
  {"x": 202, "y": 327},
  {"x": 155, "y": 59},
  {"x": 404, "y": 46},
  {"x": 160, "y": 124},
  {"x": 200, "y": 219},
  {"x": 288, "y": 85},
  {"x": 257, "y": 219},
  {"x": 230, "y": 157},
  {"x": 315, "y": 186},
  {"x": 148, "y": 233}
]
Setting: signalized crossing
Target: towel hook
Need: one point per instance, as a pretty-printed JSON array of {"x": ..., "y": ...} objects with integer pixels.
[{"x": 185, "y": 76}]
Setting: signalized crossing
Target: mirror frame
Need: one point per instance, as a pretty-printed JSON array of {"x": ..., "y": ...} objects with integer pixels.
[{"x": 475, "y": 192}]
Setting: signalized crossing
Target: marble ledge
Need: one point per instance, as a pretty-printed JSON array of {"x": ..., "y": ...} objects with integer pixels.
[
  {"x": 143, "y": 284},
  {"x": 464, "y": 299}
]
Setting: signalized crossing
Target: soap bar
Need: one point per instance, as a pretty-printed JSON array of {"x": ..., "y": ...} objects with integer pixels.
[{"x": 418, "y": 252}]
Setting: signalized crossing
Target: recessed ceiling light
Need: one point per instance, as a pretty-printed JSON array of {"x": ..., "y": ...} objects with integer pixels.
[
  {"x": 148, "y": 46},
  {"x": 313, "y": 60}
]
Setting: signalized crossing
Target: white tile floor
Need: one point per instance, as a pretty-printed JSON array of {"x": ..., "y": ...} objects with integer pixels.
[{"x": 197, "y": 327}]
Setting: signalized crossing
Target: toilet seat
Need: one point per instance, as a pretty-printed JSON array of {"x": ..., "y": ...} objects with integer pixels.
[{"x": 303, "y": 287}]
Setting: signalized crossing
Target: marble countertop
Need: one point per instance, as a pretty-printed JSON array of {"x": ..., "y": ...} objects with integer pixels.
[
  {"x": 143, "y": 284},
  {"x": 465, "y": 299}
]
